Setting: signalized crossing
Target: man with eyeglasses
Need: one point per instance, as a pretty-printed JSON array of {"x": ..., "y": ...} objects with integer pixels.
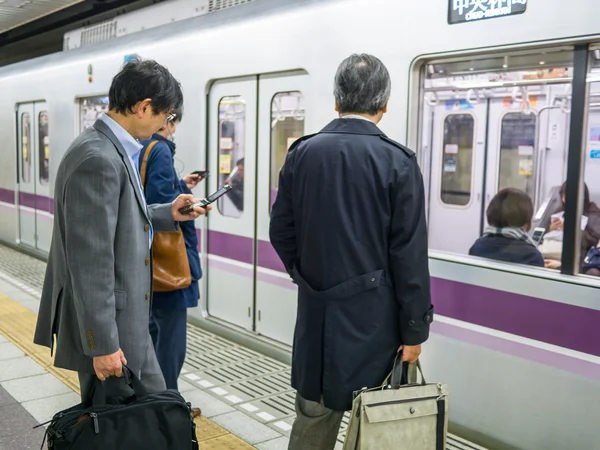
[{"x": 97, "y": 289}]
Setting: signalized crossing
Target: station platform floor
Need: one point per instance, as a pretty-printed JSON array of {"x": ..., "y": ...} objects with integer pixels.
[{"x": 245, "y": 397}]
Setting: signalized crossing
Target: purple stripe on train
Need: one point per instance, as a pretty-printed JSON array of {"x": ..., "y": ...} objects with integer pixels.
[
  {"x": 238, "y": 248},
  {"x": 7, "y": 196},
  {"x": 241, "y": 248},
  {"x": 39, "y": 202},
  {"x": 556, "y": 323}
]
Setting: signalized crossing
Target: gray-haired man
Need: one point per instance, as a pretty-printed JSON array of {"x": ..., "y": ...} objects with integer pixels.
[{"x": 349, "y": 226}]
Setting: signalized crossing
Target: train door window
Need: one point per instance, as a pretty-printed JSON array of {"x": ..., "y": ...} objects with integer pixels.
[
  {"x": 590, "y": 221},
  {"x": 517, "y": 144},
  {"x": 231, "y": 151},
  {"x": 457, "y": 159},
  {"x": 26, "y": 143},
  {"x": 90, "y": 109},
  {"x": 43, "y": 148},
  {"x": 490, "y": 122},
  {"x": 287, "y": 125}
]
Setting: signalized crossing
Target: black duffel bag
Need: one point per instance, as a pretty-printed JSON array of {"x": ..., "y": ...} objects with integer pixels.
[{"x": 160, "y": 421}]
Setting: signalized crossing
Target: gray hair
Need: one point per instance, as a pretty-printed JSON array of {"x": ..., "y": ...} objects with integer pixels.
[{"x": 362, "y": 85}]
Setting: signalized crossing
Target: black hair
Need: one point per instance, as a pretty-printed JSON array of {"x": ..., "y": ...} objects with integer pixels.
[
  {"x": 240, "y": 162},
  {"x": 510, "y": 208},
  {"x": 141, "y": 79},
  {"x": 586, "y": 196}
]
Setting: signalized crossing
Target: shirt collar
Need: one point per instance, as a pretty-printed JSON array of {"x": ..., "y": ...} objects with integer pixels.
[
  {"x": 131, "y": 145},
  {"x": 356, "y": 116}
]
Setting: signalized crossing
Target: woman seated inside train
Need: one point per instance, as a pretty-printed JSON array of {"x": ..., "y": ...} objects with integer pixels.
[
  {"x": 590, "y": 221},
  {"x": 505, "y": 239}
]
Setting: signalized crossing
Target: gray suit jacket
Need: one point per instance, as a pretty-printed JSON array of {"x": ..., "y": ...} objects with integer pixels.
[{"x": 98, "y": 284}]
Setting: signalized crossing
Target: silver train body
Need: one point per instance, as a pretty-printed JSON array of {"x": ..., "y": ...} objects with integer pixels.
[{"x": 518, "y": 346}]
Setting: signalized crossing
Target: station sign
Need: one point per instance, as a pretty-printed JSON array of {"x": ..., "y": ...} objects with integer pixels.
[{"x": 461, "y": 11}]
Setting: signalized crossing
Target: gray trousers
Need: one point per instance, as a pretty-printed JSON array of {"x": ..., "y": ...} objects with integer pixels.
[
  {"x": 316, "y": 427},
  {"x": 151, "y": 377}
]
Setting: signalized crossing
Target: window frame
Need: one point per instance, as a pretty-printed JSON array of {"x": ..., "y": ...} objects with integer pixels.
[
  {"x": 218, "y": 159},
  {"x": 473, "y": 156},
  {"x": 535, "y": 150},
  {"x": 269, "y": 204},
  {"x": 40, "y": 149}
]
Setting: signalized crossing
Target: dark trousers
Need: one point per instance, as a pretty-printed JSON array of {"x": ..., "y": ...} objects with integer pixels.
[
  {"x": 168, "y": 330},
  {"x": 315, "y": 427}
]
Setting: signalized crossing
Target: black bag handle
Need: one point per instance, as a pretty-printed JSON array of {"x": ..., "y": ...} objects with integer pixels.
[
  {"x": 99, "y": 395},
  {"x": 404, "y": 373}
]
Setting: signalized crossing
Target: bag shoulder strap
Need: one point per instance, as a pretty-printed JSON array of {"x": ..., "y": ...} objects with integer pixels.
[{"x": 145, "y": 162}]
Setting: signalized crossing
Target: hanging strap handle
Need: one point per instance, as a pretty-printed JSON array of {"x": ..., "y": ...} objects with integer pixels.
[
  {"x": 99, "y": 395},
  {"x": 395, "y": 377},
  {"x": 145, "y": 162}
]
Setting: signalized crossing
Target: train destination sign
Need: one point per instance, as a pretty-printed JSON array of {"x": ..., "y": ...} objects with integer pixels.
[{"x": 460, "y": 11}]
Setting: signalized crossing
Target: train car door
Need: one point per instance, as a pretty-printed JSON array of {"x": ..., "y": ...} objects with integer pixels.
[
  {"x": 513, "y": 147},
  {"x": 33, "y": 201},
  {"x": 281, "y": 121},
  {"x": 231, "y": 224},
  {"x": 457, "y": 161}
]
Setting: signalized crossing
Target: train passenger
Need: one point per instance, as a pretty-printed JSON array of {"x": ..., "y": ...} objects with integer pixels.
[
  {"x": 349, "y": 226},
  {"x": 509, "y": 215},
  {"x": 168, "y": 317},
  {"x": 591, "y": 212},
  {"x": 236, "y": 181},
  {"x": 96, "y": 294}
]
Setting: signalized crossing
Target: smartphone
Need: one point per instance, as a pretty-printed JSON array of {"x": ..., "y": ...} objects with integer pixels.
[
  {"x": 202, "y": 173},
  {"x": 538, "y": 234},
  {"x": 206, "y": 201}
]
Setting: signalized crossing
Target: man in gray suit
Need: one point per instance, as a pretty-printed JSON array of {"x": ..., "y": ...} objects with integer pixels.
[{"x": 97, "y": 289}]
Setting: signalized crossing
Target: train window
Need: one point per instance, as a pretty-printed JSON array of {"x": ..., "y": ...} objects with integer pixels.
[
  {"x": 26, "y": 147},
  {"x": 490, "y": 122},
  {"x": 231, "y": 151},
  {"x": 517, "y": 144},
  {"x": 590, "y": 236},
  {"x": 43, "y": 147},
  {"x": 90, "y": 109},
  {"x": 287, "y": 125},
  {"x": 457, "y": 159}
]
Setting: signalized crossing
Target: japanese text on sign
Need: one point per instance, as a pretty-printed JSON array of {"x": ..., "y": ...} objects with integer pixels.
[{"x": 460, "y": 11}]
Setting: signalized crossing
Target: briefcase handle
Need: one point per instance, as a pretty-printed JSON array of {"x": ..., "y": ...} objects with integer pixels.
[
  {"x": 99, "y": 395},
  {"x": 395, "y": 377}
]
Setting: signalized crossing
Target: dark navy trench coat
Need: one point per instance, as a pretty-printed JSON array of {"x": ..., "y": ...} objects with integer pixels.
[{"x": 349, "y": 226}]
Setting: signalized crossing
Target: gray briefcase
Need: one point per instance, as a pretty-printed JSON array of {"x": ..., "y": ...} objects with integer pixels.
[{"x": 414, "y": 415}]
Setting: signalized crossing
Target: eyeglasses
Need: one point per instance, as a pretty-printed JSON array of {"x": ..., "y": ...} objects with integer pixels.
[{"x": 171, "y": 117}]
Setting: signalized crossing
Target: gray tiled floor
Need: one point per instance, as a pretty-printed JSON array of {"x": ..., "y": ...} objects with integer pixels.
[
  {"x": 44, "y": 409},
  {"x": 274, "y": 444},
  {"x": 245, "y": 428},
  {"x": 38, "y": 386},
  {"x": 9, "y": 351},
  {"x": 211, "y": 406},
  {"x": 16, "y": 432},
  {"x": 15, "y": 368}
]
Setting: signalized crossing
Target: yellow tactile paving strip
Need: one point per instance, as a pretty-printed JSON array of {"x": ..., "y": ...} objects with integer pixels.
[{"x": 17, "y": 324}]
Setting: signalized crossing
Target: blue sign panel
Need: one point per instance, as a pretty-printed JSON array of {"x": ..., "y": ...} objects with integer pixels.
[
  {"x": 129, "y": 57},
  {"x": 458, "y": 105}
]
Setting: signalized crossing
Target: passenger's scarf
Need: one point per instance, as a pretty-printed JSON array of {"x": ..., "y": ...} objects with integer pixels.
[{"x": 511, "y": 233}]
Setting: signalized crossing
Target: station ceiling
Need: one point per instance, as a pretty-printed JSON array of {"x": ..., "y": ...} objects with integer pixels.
[{"x": 15, "y": 13}]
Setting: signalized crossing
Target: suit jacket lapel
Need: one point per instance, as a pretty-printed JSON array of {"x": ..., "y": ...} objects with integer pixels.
[{"x": 104, "y": 129}]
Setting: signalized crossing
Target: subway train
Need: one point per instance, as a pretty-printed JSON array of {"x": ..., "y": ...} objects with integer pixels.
[{"x": 489, "y": 93}]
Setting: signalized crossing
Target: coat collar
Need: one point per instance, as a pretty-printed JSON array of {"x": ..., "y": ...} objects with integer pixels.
[
  {"x": 100, "y": 126},
  {"x": 352, "y": 126},
  {"x": 164, "y": 140}
]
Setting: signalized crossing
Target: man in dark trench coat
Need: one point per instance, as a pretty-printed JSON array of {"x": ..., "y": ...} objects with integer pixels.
[{"x": 349, "y": 226}]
